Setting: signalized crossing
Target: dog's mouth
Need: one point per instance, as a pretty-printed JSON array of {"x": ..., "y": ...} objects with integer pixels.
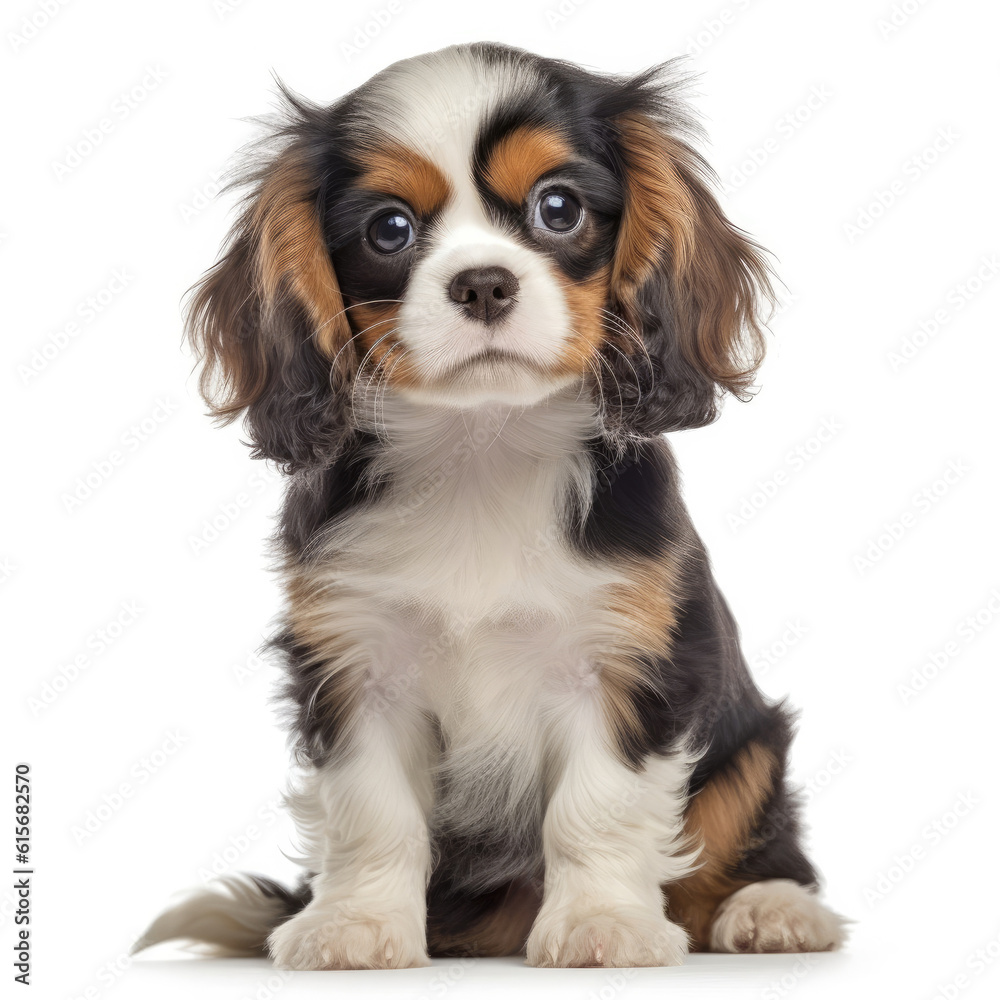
[
  {"x": 491, "y": 374},
  {"x": 493, "y": 361}
]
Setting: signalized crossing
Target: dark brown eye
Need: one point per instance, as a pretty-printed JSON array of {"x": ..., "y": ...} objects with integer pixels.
[
  {"x": 558, "y": 212},
  {"x": 391, "y": 233}
]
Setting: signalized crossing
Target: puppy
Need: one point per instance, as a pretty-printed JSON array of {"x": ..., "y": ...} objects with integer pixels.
[{"x": 460, "y": 309}]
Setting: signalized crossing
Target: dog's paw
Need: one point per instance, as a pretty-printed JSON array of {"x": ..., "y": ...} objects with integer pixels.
[
  {"x": 322, "y": 939},
  {"x": 777, "y": 915},
  {"x": 614, "y": 937}
]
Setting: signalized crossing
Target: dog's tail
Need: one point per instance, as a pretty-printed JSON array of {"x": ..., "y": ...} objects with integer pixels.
[{"x": 231, "y": 917}]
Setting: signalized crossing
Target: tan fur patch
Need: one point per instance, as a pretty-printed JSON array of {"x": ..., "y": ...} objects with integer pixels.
[
  {"x": 379, "y": 346},
  {"x": 502, "y": 932},
  {"x": 584, "y": 299},
  {"x": 292, "y": 252},
  {"x": 722, "y": 816},
  {"x": 659, "y": 216},
  {"x": 521, "y": 157},
  {"x": 647, "y": 606},
  {"x": 340, "y": 694},
  {"x": 276, "y": 257},
  {"x": 375, "y": 323},
  {"x": 404, "y": 173},
  {"x": 672, "y": 222}
]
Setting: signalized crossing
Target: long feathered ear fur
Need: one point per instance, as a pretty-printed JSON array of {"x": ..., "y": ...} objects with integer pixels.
[
  {"x": 268, "y": 322},
  {"x": 693, "y": 285}
]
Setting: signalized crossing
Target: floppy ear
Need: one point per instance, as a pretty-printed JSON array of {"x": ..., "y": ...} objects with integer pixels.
[
  {"x": 268, "y": 322},
  {"x": 691, "y": 283}
]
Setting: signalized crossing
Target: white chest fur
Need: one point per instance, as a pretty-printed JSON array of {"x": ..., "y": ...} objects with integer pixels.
[
  {"x": 473, "y": 516},
  {"x": 457, "y": 597},
  {"x": 465, "y": 554}
]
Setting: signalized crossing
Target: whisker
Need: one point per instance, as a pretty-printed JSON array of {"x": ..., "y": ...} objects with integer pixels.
[
  {"x": 354, "y": 305},
  {"x": 595, "y": 372},
  {"x": 499, "y": 432},
  {"x": 599, "y": 383},
  {"x": 384, "y": 384},
  {"x": 623, "y": 327},
  {"x": 367, "y": 380},
  {"x": 614, "y": 377},
  {"x": 371, "y": 350},
  {"x": 628, "y": 361},
  {"x": 632, "y": 336},
  {"x": 351, "y": 339}
]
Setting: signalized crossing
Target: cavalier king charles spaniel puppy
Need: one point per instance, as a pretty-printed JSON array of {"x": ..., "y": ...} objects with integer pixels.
[{"x": 459, "y": 309}]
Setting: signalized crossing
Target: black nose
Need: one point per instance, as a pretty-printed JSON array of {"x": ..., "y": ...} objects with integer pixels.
[{"x": 485, "y": 292}]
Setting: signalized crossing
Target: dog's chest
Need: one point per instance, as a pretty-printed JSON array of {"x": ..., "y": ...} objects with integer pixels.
[
  {"x": 468, "y": 561},
  {"x": 472, "y": 521},
  {"x": 472, "y": 606}
]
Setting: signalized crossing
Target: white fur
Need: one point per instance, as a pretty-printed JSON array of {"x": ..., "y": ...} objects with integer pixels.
[
  {"x": 777, "y": 915},
  {"x": 461, "y": 600},
  {"x": 436, "y": 102},
  {"x": 364, "y": 827},
  {"x": 439, "y": 339},
  {"x": 611, "y": 838},
  {"x": 231, "y": 917}
]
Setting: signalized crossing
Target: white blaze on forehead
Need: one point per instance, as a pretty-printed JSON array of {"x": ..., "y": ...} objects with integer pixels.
[{"x": 435, "y": 103}]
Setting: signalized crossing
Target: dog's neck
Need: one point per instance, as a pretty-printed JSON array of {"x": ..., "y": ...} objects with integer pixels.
[{"x": 488, "y": 443}]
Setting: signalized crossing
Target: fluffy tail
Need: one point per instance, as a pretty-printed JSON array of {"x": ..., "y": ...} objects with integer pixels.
[{"x": 232, "y": 917}]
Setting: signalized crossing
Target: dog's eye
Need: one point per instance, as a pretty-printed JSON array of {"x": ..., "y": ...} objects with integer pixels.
[
  {"x": 391, "y": 232},
  {"x": 558, "y": 212}
]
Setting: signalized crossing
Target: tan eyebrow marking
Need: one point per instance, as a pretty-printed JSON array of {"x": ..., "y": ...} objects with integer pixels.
[
  {"x": 405, "y": 173},
  {"x": 521, "y": 157}
]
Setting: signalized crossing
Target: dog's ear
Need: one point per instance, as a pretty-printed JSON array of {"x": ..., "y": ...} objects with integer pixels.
[
  {"x": 688, "y": 281},
  {"x": 268, "y": 321}
]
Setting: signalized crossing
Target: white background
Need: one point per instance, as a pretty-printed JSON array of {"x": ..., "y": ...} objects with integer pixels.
[{"x": 886, "y": 766}]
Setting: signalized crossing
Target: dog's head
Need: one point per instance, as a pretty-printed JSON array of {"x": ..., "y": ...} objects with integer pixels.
[{"x": 479, "y": 224}]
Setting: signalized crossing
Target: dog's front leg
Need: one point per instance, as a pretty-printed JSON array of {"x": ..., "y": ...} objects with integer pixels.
[
  {"x": 363, "y": 818},
  {"x": 610, "y": 839}
]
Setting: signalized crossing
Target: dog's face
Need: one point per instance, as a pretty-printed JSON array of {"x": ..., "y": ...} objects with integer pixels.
[
  {"x": 487, "y": 257},
  {"x": 479, "y": 225}
]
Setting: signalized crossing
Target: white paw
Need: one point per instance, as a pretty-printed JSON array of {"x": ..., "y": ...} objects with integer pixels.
[
  {"x": 614, "y": 937},
  {"x": 777, "y": 915},
  {"x": 325, "y": 938}
]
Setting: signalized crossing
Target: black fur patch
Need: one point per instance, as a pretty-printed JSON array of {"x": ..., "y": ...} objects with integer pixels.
[
  {"x": 777, "y": 848},
  {"x": 315, "y": 731},
  {"x": 704, "y": 688},
  {"x": 292, "y": 900},
  {"x": 317, "y": 496},
  {"x": 629, "y": 514}
]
